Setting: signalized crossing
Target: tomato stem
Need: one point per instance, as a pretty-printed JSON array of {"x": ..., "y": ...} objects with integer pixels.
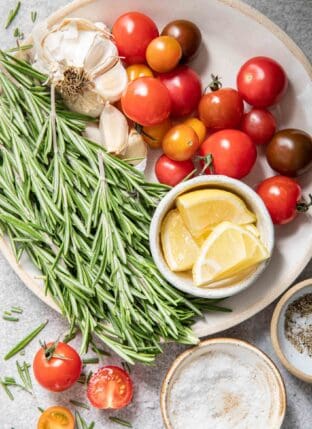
[
  {"x": 303, "y": 206},
  {"x": 215, "y": 84},
  {"x": 208, "y": 164},
  {"x": 139, "y": 129}
]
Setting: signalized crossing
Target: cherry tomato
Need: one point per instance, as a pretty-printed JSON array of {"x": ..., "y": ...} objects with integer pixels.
[
  {"x": 172, "y": 172},
  {"x": 280, "y": 194},
  {"x": 132, "y": 33},
  {"x": 187, "y": 34},
  {"x": 138, "y": 70},
  {"x": 261, "y": 81},
  {"x": 184, "y": 88},
  {"x": 59, "y": 372},
  {"x": 260, "y": 125},
  {"x": 155, "y": 134},
  {"x": 180, "y": 143},
  {"x": 233, "y": 153},
  {"x": 163, "y": 54},
  {"x": 220, "y": 109},
  {"x": 146, "y": 101},
  {"x": 110, "y": 388},
  {"x": 290, "y": 152},
  {"x": 56, "y": 418},
  {"x": 199, "y": 128}
]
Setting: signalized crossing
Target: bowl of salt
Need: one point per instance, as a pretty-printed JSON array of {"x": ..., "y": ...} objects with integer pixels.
[{"x": 291, "y": 330}]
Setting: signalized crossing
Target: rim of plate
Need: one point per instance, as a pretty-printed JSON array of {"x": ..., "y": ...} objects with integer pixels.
[
  {"x": 257, "y": 16},
  {"x": 165, "y": 387}
]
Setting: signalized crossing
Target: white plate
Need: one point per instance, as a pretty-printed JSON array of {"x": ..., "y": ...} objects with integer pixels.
[{"x": 232, "y": 33}]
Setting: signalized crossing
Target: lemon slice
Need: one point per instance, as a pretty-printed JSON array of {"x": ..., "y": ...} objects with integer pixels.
[
  {"x": 252, "y": 228},
  {"x": 201, "y": 210},
  {"x": 228, "y": 250},
  {"x": 180, "y": 249}
]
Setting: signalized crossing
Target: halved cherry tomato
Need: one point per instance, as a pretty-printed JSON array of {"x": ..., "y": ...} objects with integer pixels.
[
  {"x": 110, "y": 387},
  {"x": 146, "y": 101},
  {"x": 171, "y": 172},
  {"x": 198, "y": 126},
  {"x": 163, "y": 54},
  {"x": 57, "y": 366},
  {"x": 261, "y": 81},
  {"x": 154, "y": 134},
  {"x": 56, "y": 418},
  {"x": 280, "y": 194},
  {"x": 259, "y": 124},
  {"x": 180, "y": 143},
  {"x": 184, "y": 87},
  {"x": 132, "y": 33},
  {"x": 138, "y": 70},
  {"x": 221, "y": 109},
  {"x": 233, "y": 153}
]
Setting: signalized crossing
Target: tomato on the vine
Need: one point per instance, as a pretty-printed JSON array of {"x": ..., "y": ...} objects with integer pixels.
[
  {"x": 146, "y": 101},
  {"x": 221, "y": 109},
  {"x": 184, "y": 87},
  {"x": 110, "y": 388},
  {"x": 163, "y": 54},
  {"x": 171, "y": 172},
  {"x": 138, "y": 70},
  {"x": 180, "y": 143},
  {"x": 154, "y": 134},
  {"x": 132, "y": 33},
  {"x": 259, "y": 124},
  {"x": 55, "y": 418},
  {"x": 261, "y": 81},
  {"x": 233, "y": 153},
  {"x": 281, "y": 195},
  {"x": 57, "y": 366}
]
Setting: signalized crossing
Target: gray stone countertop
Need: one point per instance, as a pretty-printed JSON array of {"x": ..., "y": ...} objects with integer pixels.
[{"x": 295, "y": 17}]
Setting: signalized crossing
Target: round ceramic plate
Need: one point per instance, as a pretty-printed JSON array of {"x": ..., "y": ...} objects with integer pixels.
[{"x": 232, "y": 33}]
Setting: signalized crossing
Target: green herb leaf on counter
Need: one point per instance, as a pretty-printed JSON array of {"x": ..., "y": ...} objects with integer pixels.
[
  {"x": 12, "y": 15},
  {"x": 79, "y": 404},
  {"x": 126, "y": 367},
  {"x": 121, "y": 422},
  {"x": 40, "y": 409},
  {"x": 33, "y": 16},
  {"x": 90, "y": 361},
  {"x": 20, "y": 48},
  {"x": 25, "y": 341},
  {"x": 10, "y": 318},
  {"x": 81, "y": 423},
  {"x": 18, "y": 310},
  {"x": 18, "y": 33}
]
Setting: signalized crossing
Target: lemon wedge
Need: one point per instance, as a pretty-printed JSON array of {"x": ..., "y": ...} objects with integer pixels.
[
  {"x": 201, "y": 210},
  {"x": 227, "y": 251},
  {"x": 252, "y": 228},
  {"x": 179, "y": 247}
]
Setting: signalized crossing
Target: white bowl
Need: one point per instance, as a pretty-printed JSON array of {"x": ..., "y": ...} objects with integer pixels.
[{"x": 183, "y": 281}]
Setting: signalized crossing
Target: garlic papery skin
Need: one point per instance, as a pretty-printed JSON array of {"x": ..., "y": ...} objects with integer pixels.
[
  {"x": 82, "y": 61},
  {"x": 114, "y": 129},
  {"x": 136, "y": 151}
]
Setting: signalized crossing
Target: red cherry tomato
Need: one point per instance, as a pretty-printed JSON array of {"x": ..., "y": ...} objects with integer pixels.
[
  {"x": 260, "y": 125},
  {"x": 172, "y": 172},
  {"x": 110, "y": 388},
  {"x": 261, "y": 81},
  {"x": 132, "y": 33},
  {"x": 233, "y": 153},
  {"x": 220, "y": 109},
  {"x": 59, "y": 372},
  {"x": 146, "y": 101},
  {"x": 280, "y": 194},
  {"x": 184, "y": 88}
]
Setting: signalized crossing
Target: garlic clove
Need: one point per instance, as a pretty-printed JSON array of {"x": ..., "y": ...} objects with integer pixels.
[
  {"x": 88, "y": 103},
  {"x": 92, "y": 132},
  {"x": 102, "y": 56},
  {"x": 114, "y": 129},
  {"x": 136, "y": 150},
  {"x": 112, "y": 84}
]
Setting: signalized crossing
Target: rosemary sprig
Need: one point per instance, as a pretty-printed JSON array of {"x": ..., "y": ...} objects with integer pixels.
[
  {"x": 12, "y": 15},
  {"x": 33, "y": 16},
  {"x": 121, "y": 422},
  {"x": 81, "y": 423}
]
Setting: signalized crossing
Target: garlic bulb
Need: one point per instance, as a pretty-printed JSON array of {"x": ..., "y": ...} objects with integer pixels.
[
  {"x": 136, "y": 149},
  {"x": 82, "y": 62}
]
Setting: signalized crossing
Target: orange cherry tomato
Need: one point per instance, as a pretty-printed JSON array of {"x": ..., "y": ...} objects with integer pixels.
[
  {"x": 138, "y": 70},
  {"x": 155, "y": 134},
  {"x": 198, "y": 126},
  {"x": 163, "y": 54},
  {"x": 180, "y": 143},
  {"x": 56, "y": 418}
]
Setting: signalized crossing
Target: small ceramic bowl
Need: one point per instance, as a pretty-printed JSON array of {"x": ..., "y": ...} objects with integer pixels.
[
  {"x": 298, "y": 364},
  {"x": 265, "y": 379},
  {"x": 182, "y": 280}
]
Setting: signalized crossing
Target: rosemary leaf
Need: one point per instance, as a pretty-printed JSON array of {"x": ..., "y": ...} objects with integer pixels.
[
  {"x": 121, "y": 422},
  {"x": 79, "y": 404},
  {"x": 33, "y": 16},
  {"x": 12, "y": 15}
]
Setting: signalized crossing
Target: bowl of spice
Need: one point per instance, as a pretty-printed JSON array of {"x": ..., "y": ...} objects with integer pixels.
[{"x": 291, "y": 330}]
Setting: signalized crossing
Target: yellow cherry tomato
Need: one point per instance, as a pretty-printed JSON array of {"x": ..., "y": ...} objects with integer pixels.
[
  {"x": 199, "y": 128},
  {"x": 163, "y": 54},
  {"x": 56, "y": 418},
  {"x": 155, "y": 134},
  {"x": 180, "y": 143},
  {"x": 138, "y": 70}
]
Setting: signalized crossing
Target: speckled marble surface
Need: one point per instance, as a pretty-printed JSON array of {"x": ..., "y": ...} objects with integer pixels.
[{"x": 295, "y": 17}]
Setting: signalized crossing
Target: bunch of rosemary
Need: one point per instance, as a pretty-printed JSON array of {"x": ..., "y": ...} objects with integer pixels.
[{"x": 83, "y": 217}]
